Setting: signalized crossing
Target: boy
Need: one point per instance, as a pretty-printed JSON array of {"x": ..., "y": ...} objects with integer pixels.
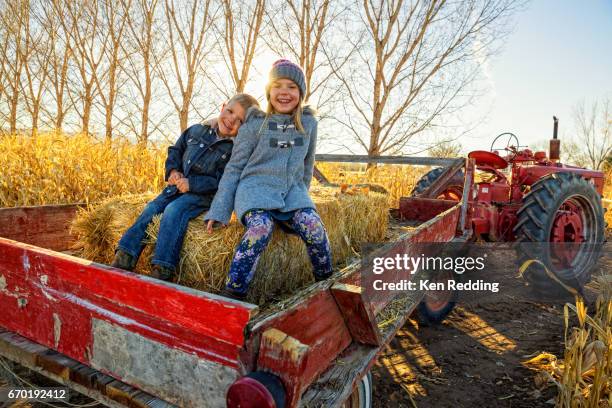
[{"x": 194, "y": 168}]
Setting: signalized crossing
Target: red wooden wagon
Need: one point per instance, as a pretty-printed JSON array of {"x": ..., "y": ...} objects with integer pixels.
[{"x": 131, "y": 340}]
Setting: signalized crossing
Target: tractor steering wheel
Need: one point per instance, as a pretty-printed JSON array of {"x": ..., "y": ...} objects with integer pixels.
[{"x": 510, "y": 137}]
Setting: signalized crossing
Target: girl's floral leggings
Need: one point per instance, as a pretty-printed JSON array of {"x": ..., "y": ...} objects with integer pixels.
[{"x": 260, "y": 224}]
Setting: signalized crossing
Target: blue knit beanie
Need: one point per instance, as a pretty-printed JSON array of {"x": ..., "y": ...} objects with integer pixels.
[{"x": 283, "y": 68}]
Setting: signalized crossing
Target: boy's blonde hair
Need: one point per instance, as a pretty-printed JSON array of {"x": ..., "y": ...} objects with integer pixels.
[{"x": 245, "y": 100}]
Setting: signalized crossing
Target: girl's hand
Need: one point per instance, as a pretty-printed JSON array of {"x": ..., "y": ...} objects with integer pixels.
[
  {"x": 183, "y": 185},
  {"x": 175, "y": 176},
  {"x": 210, "y": 225}
]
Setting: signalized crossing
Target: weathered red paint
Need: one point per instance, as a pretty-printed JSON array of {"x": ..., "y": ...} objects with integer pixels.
[
  {"x": 358, "y": 315},
  {"x": 46, "y": 226},
  {"x": 38, "y": 284},
  {"x": 423, "y": 209},
  {"x": 317, "y": 323}
]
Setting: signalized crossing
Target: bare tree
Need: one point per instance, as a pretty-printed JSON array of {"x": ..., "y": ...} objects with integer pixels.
[
  {"x": 114, "y": 20},
  {"x": 241, "y": 29},
  {"x": 58, "y": 59},
  {"x": 593, "y": 134},
  {"x": 414, "y": 62},
  {"x": 187, "y": 26},
  {"x": 445, "y": 148},
  {"x": 141, "y": 64},
  {"x": 4, "y": 45},
  {"x": 298, "y": 29},
  {"x": 83, "y": 24},
  {"x": 36, "y": 67},
  {"x": 15, "y": 21}
]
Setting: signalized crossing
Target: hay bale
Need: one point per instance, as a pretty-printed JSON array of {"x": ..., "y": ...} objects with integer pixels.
[
  {"x": 205, "y": 258},
  {"x": 99, "y": 227},
  {"x": 369, "y": 216}
]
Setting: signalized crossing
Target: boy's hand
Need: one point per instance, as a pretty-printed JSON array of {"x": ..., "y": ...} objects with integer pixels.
[
  {"x": 211, "y": 224},
  {"x": 175, "y": 176},
  {"x": 183, "y": 185}
]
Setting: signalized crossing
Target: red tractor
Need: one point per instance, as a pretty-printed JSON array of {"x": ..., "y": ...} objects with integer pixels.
[{"x": 552, "y": 210}]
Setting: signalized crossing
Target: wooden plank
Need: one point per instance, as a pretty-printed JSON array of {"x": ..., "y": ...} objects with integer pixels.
[
  {"x": 120, "y": 392},
  {"x": 422, "y": 161},
  {"x": 84, "y": 375},
  {"x": 287, "y": 358},
  {"x": 336, "y": 384},
  {"x": 73, "y": 374},
  {"x": 358, "y": 316},
  {"x": 464, "y": 227},
  {"x": 19, "y": 349},
  {"x": 46, "y": 226},
  {"x": 56, "y": 363},
  {"x": 408, "y": 301}
]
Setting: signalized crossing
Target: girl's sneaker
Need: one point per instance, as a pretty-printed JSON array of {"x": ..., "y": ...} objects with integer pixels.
[{"x": 232, "y": 295}]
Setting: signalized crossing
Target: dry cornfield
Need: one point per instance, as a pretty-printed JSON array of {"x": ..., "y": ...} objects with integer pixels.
[
  {"x": 58, "y": 168},
  {"x": 583, "y": 376},
  {"x": 398, "y": 180}
]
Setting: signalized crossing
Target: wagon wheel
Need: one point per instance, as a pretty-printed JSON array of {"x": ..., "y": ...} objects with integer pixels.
[
  {"x": 362, "y": 394},
  {"x": 452, "y": 191},
  {"x": 436, "y": 305},
  {"x": 560, "y": 233}
]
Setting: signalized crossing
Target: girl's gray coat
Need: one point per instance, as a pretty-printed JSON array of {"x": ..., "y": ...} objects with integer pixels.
[{"x": 271, "y": 166}]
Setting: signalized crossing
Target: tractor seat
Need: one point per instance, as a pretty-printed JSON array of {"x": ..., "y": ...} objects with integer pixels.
[{"x": 488, "y": 159}]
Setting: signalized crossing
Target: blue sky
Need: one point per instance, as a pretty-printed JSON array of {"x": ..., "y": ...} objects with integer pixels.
[{"x": 559, "y": 53}]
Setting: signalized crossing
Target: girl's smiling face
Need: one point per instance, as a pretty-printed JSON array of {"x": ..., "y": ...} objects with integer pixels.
[{"x": 284, "y": 95}]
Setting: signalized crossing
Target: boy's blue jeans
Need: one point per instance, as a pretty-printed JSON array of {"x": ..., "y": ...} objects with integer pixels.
[{"x": 178, "y": 209}]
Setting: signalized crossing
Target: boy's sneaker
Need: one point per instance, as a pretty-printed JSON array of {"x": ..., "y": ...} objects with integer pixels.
[
  {"x": 162, "y": 272},
  {"x": 232, "y": 295},
  {"x": 123, "y": 260}
]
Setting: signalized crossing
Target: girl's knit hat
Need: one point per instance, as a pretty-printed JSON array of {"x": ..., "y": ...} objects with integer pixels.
[{"x": 283, "y": 68}]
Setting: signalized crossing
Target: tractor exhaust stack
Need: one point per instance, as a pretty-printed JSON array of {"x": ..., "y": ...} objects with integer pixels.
[{"x": 555, "y": 144}]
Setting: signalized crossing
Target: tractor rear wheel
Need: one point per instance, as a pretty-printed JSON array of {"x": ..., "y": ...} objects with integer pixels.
[
  {"x": 560, "y": 232},
  {"x": 452, "y": 191}
]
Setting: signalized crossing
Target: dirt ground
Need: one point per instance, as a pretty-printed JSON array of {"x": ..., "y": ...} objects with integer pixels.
[{"x": 472, "y": 359}]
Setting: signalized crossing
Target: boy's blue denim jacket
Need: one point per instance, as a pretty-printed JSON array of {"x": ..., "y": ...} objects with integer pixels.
[{"x": 200, "y": 157}]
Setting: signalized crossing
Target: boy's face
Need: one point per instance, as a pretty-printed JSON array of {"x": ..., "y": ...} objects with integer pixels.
[
  {"x": 284, "y": 95},
  {"x": 230, "y": 119}
]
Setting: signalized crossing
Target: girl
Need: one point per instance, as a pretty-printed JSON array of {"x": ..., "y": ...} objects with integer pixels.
[{"x": 268, "y": 177}]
